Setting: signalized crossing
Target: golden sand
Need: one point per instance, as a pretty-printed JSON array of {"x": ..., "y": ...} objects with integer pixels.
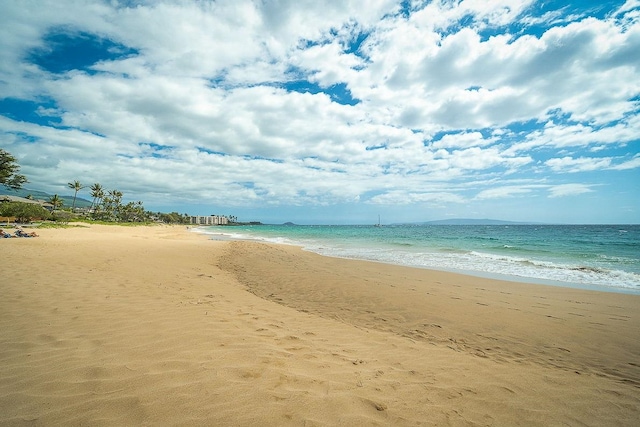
[{"x": 160, "y": 326}]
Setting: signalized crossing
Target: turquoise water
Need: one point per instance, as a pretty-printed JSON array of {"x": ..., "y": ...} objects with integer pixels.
[{"x": 603, "y": 257}]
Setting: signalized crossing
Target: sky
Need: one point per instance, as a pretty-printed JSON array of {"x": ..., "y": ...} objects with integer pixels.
[{"x": 330, "y": 112}]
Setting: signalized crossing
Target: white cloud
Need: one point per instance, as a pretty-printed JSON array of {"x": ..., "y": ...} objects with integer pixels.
[
  {"x": 582, "y": 164},
  {"x": 441, "y": 105},
  {"x": 579, "y": 135},
  {"x": 565, "y": 190},
  {"x": 504, "y": 192},
  {"x": 476, "y": 158},
  {"x": 517, "y": 78},
  {"x": 464, "y": 140},
  {"x": 630, "y": 164},
  {"x": 628, "y": 5},
  {"x": 410, "y": 198}
]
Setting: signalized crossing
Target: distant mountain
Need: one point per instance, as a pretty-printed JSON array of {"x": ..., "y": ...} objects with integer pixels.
[
  {"x": 470, "y": 221},
  {"x": 41, "y": 195}
]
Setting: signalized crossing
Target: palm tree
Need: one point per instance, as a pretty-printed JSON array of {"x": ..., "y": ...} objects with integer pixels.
[
  {"x": 75, "y": 185},
  {"x": 56, "y": 202},
  {"x": 114, "y": 205},
  {"x": 97, "y": 193}
]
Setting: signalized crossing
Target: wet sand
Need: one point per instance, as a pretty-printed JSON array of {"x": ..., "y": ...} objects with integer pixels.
[{"x": 108, "y": 325}]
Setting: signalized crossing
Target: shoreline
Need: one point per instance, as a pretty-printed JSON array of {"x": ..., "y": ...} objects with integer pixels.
[
  {"x": 543, "y": 282},
  {"x": 222, "y": 236},
  {"x": 423, "y": 289},
  {"x": 158, "y": 325}
]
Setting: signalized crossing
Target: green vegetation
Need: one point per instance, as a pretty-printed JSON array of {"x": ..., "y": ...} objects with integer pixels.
[
  {"x": 76, "y": 186},
  {"x": 61, "y": 225},
  {"x": 9, "y": 171},
  {"x": 173, "y": 218},
  {"x": 106, "y": 207},
  {"x": 56, "y": 202},
  {"x": 23, "y": 212},
  {"x": 97, "y": 193}
]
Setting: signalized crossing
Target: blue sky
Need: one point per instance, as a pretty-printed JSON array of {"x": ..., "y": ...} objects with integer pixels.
[{"x": 331, "y": 112}]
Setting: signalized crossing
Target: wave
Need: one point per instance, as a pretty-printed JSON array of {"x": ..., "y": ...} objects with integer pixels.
[
  {"x": 454, "y": 250},
  {"x": 402, "y": 244},
  {"x": 512, "y": 248},
  {"x": 473, "y": 262},
  {"x": 508, "y": 260}
]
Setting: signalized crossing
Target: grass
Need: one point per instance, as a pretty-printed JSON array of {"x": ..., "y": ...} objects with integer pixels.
[
  {"x": 79, "y": 223},
  {"x": 83, "y": 222},
  {"x": 60, "y": 225},
  {"x": 122, "y": 224}
]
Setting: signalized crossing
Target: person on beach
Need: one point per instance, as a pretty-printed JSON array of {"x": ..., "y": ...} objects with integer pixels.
[
  {"x": 5, "y": 235},
  {"x": 21, "y": 233}
]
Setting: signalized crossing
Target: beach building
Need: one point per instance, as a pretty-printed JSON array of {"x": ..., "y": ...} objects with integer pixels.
[
  {"x": 209, "y": 220},
  {"x": 7, "y": 198}
]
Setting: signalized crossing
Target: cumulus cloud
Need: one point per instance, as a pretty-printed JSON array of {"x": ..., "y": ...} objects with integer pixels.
[{"x": 318, "y": 103}]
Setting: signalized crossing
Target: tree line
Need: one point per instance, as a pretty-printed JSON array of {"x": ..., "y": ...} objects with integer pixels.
[{"x": 106, "y": 205}]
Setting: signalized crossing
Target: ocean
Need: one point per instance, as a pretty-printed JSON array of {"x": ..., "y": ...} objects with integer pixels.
[{"x": 597, "y": 257}]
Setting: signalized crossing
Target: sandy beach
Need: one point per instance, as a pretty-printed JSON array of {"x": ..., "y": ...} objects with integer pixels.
[{"x": 108, "y": 325}]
